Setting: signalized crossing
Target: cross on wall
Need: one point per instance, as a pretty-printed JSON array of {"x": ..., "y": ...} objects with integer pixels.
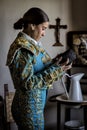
[{"x": 57, "y": 28}]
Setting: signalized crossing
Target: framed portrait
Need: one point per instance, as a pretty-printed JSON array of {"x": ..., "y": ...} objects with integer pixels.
[{"x": 77, "y": 40}]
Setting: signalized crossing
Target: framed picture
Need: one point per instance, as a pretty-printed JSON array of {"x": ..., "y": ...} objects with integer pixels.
[{"x": 77, "y": 40}]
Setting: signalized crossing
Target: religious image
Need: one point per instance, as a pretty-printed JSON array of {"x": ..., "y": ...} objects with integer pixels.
[{"x": 79, "y": 45}]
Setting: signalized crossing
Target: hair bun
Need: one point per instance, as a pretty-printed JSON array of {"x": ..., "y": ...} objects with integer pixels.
[{"x": 19, "y": 24}]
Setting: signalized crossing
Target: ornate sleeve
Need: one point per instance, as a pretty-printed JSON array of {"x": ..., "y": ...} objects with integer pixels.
[{"x": 22, "y": 72}]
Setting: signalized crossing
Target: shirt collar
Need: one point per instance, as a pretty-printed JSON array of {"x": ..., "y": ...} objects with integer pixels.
[{"x": 29, "y": 38}]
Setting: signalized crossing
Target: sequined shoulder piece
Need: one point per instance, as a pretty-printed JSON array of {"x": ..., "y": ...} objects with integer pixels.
[{"x": 19, "y": 43}]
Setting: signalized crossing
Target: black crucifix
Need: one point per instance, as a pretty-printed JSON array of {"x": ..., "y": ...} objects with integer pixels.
[{"x": 57, "y": 28}]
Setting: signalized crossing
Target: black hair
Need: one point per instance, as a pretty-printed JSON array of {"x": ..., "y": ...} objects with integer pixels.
[{"x": 32, "y": 16}]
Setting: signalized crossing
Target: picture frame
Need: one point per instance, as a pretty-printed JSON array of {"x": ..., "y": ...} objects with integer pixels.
[{"x": 77, "y": 40}]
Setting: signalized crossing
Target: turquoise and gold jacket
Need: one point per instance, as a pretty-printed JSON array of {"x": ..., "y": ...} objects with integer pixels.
[
  {"x": 33, "y": 73},
  {"x": 30, "y": 65}
]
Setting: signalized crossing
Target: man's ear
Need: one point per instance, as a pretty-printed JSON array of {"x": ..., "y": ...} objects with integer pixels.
[{"x": 33, "y": 27}]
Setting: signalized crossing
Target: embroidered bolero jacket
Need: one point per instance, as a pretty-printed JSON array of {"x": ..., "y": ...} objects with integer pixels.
[{"x": 30, "y": 65}]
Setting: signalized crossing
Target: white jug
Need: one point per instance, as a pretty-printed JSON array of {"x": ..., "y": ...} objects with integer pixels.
[{"x": 75, "y": 92}]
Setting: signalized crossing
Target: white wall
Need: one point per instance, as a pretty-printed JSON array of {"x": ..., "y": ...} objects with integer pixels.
[{"x": 10, "y": 12}]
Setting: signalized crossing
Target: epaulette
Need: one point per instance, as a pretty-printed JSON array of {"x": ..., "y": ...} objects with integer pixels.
[{"x": 19, "y": 43}]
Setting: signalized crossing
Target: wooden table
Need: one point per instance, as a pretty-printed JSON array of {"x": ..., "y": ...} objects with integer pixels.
[{"x": 68, "y": 106}]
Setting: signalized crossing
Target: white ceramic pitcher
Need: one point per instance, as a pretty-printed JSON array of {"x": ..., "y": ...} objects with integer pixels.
[{"x": 75, "y": 92}]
